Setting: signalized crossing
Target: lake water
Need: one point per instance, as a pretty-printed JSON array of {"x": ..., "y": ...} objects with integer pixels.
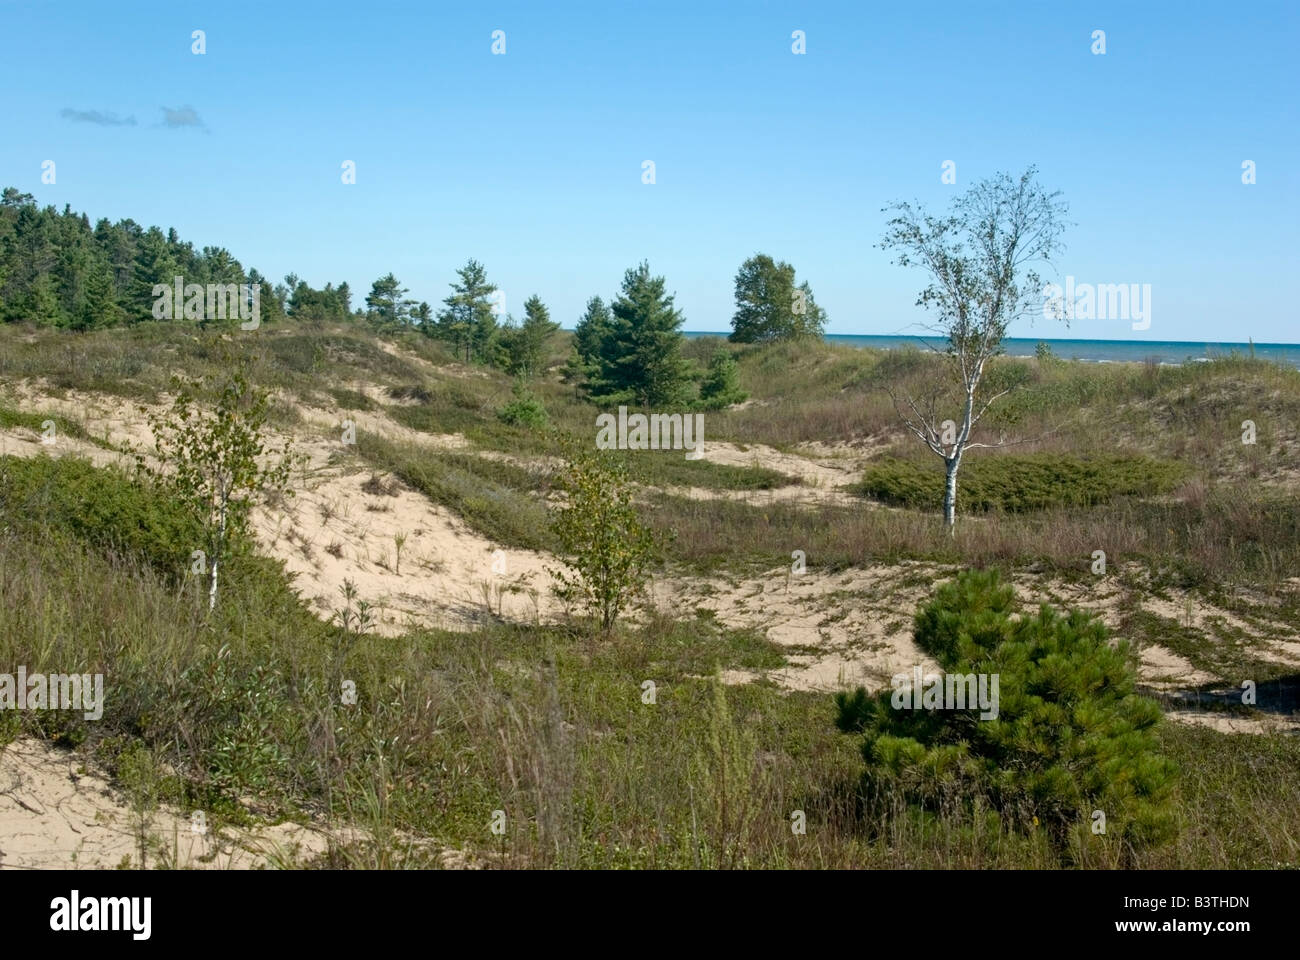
[{"x": 1095, "y": 351}]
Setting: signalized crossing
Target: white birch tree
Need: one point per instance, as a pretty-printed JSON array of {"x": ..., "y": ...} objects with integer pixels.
[
  {"x": 981, "y": 260},
  {"x": 216, "y": 462}
]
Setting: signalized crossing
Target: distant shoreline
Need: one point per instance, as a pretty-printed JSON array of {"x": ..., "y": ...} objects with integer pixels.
[{"x": 1165, "y": 352}]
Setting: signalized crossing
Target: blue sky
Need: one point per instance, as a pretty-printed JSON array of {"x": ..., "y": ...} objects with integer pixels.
[{"x": 532, "y": 161}]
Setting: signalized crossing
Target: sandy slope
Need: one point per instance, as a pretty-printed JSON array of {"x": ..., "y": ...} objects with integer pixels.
[
  {"x": 56, "y": 813},
  {"x": 842, "y": 629},
  {"x": 823, "y": 472}
]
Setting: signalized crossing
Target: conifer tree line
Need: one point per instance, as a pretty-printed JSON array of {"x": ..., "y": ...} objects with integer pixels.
[{"x": 58, "y": 270}]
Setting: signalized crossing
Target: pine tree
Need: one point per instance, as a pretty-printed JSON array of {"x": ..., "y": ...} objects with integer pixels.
[
  {"x": 422, "y": 317},
  {"x": 525, "y": 346},
  {"x": 640, "y": 359},
  {"x": 99, "y": 307},
  {"x": 154, "y": 265},
  {"x": 588, "y": 336},
  {"x": 41, "y": 305},
  {"x": 721, "y": 386},
  {"x": 1071, "y": 734},
  {"x": 387, "y": 301},
  {"x": 466, "y": 320}
]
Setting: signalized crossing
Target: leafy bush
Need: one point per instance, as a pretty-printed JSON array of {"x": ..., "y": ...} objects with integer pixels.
[
  {"x": 1015, "y": 483},
  {"x": 1070, "y": 736},
  {"x": 214, "y": 461},
  {"x": 602, "y": 539}
]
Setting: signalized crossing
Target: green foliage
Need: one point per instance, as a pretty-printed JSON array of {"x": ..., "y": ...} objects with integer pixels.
[
  {"x": 56, "y": 270},
  {"x": 1022, "y": 482},
  {"x": 387, "y": 302},
  {"x": 588, "y": 336},
  {"x": 1071, "y": 735},
  {"x": 466, "y": 320},
  {"x": 721, "y": 386},
  {"x": 211, "y": 462},
  {"x": 106, "y": 508},
  {"x": 524, "y": 346},
  {"x": 524, "y": 409},
  {"x": 770, "y": 306},
  {"x": 303, "y": 303},
  {"x": 603, "y": 542},
  {"x": 639, "y": 361}
]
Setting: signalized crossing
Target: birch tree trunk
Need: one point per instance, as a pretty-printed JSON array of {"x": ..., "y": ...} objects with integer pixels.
[
  {"x": 950, "y": 492},
  {"x": 216, "y": 554}
]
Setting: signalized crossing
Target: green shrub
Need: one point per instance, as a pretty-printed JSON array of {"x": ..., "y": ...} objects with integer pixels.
[
  {"x": 1070, "y": 736},
  {"x": 603, "y": 542},
  {"x": 106, "y": 508},
  {"x": 721, "y": 385},
  {"x": 524, "y": 409},
  {"x": 1015, "y": 483}
]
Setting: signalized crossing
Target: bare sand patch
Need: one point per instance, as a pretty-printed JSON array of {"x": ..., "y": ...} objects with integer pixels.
[
  {"x": 330, "y": 423},
  {"x": 843, "y": 630},
  {"x": 1256, "y": 724},
  {"x": 21, "y": 442},
  {"x": 823, "y": 472},
  {"x": 57, "y": 813},
  {"x": 444, "y": 574},
  {"x": 116, "y": 420},
  {"x": 825, "y": 469},
  {"x": 1162, "y": 669}
]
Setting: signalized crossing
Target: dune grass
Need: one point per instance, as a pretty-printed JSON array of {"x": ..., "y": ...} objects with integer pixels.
[
  {"x": 550, "y": 727},
  {"x": 540, "y": 723}
]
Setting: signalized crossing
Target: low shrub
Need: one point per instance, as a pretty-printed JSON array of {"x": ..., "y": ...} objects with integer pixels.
[
  {"x": 1015, "y": 483},
  {"x": 524, "y": 409}
]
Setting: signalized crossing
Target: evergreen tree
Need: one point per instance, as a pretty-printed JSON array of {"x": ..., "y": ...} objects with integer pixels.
[
  {"x": 269, "y": 308},
  {"x": 721, "y": 386},
  {"x": 770, "y": 306},
  {"x": 41, "y": 304},
  {"x": 154, "y": 265},
  {"x": 1069, "y": 734},
  {"x": 525, "y": 346},
  {"x": 466, "y": 319},
  {"x": 99, "y": 306},
  {"x": 387, "y": 301},
  {"x": 588, "y": 336},
  {"x": 317, "y": 306},
  {"x": 71, "y": 277},
  {"x": 640, "y": 359}
]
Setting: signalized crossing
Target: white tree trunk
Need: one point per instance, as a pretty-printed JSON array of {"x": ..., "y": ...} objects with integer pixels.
[
  {"x": 952, "y": 462},
  {"x": 212, "y": 590},
  {"x": 950, "y": 491},
  {"x": 216, "y": 555}
]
